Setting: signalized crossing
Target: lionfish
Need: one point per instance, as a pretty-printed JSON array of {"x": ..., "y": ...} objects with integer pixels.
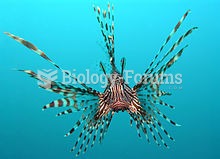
[{"x": 98, "y": 108}]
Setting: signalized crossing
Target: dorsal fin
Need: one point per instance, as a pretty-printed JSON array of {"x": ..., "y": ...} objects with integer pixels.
[
  {"x": 123, "y": 63},
  {"x": 106, "y": 20}
]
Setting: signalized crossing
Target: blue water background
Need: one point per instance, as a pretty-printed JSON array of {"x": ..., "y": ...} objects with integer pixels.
[{"x": 68, "y": 32}]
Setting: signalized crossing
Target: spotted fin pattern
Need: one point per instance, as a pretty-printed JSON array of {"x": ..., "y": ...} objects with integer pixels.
[
  {"x": 57, "y": 87},
  {"x": 76, "y": 99},
  {"x": 141, "y": 101},
  {"x": 149, "y": 93},
  {"x": 151, "y": 68},
  {"x": 32, "y": 47},
  {"x": 105, "y": 19},
  {"x": 91, "y": 130}
]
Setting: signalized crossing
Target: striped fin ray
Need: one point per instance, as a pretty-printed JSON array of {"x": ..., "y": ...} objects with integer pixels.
[
  {"x": 149, "y": 118},
  {"x": 155, "y": 122},
  {"x": 32, "y": 47},
  {"x": 153, "y": 135},
  {"x": 160, "y": 136},
  {"x": 73, "y": 102},
  {"x": 56, "y": 87},
  {"x": 154, "y": 100},
  {"x": 107, "y": 124},
  {"x": 92, "y": 127},
  {"x": 149, "y": 122},
  {"x": 168, "y": 39},
  {"x": 96, "y": 133},
  {"x": 99, "y": 127},
  {"x": 91, "y": 132},
  {"x": 103, "y": 68},
  {"x": 65, "y": 90},
  {"x": 154, "y": 109},
  {"x": 89, "y": 128},
  {"x": 71, "y": 110},
  {"x": 86, "y": 140},
  {"x": 137, "y": 122},
  {"x": 64, "y": 102},
  {"x": 43, "y": 55},
  {"x": 160, "y": 72},
  {"x": 141, "y": 122},
  {"x": 123, "y": 63},
  {"x": 81, "y": 121},
  {"x": 157, "y": 100},
  {"x": 177, "y": 43},
  {"x": 144, "y": 129},
  {"x": 146, "y": 118},
  {"x": 141, "y": 83},
  {"x": 85, "y": 143},
  {"x": 171, "y": 61},
  {"x": 65, "y": 112},
  {"x": 163, "y": 129},
  {"x": 159, "y": 93},
  {"x": 51, "y": 85},
  {"x": 143, "y": 102},
  {"x": 79, "y": 138},
  {"x": 89, "y": 139},
  {"x": 102, "y": 127},
  {"x": 106, "y": 20},
  {"x": 166, "y": 118},
  {"x": 131, "y": 121},
  {"x": 105, "y": 73}
]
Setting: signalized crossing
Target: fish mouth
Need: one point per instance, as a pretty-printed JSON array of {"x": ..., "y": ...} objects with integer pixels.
[{"x": 119, "y": 106}]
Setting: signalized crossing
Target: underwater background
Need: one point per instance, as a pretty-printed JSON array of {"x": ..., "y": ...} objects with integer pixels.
[{"x": 67, "y": 30}]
